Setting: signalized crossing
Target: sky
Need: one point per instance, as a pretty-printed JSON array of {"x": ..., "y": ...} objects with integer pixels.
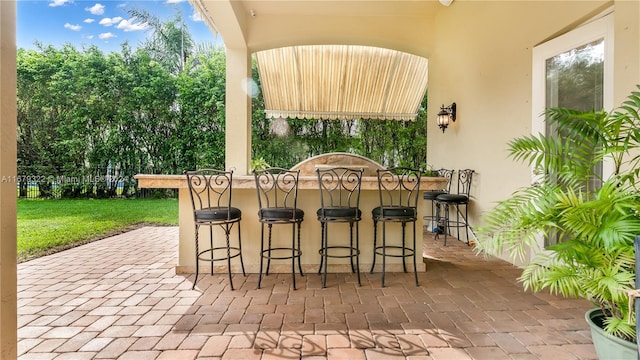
[{"x": 104, "y": 23}]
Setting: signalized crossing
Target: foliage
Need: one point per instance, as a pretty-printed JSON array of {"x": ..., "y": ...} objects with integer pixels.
[
  {"x": 391, "y": 143},
  {"x": 45, "y": 226},
  {"x": 259, "y": 164},
  {"x": 597, "y": 225}
]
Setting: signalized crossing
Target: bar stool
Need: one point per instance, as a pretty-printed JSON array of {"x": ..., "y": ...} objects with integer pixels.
[
  {"x": 430, "y": 195},
  {"x": 210, "y": 192},
  {"x": 339, "y": 203},
  {"x": 398, "y": 190},
  {"x": 456, "y": 200},
  {"x": 277, "y": 201}
]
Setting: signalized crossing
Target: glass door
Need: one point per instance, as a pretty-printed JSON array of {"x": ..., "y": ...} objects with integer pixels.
[{"x": 574, "y": 71}]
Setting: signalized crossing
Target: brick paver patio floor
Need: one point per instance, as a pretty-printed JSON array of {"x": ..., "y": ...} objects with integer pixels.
[{"x": 120, "y": 298}]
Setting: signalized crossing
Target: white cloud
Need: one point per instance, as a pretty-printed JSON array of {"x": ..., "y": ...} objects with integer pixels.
[
  {"x": 97, "y": 9},
  {"x": 72, "y": 27},
  {"x": 196, "y": 16},
  {"x": 132, "y": 25},
  {"x": 106, "y": 36},
  {"x": 55, "y": 3},
  {"x": 174, "y": 1},
  {"x": 110, "y": 21},
  {"x": 89, "y": 20},
  {"x": 90, "y": 37}
]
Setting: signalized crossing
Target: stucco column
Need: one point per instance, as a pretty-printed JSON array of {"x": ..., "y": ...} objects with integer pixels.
[
  {"x": 8, "y": 270},
  {"x": 238, "y": 111}
]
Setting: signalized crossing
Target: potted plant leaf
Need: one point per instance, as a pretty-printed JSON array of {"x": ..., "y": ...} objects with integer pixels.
[{"x": 593, "y": 219}]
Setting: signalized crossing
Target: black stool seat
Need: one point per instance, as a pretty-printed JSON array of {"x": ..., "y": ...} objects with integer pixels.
[
  {"x": 431, "y": 195},
  {"x": 453, "y": 198},
  {"x": 339, "y": 213},
  {"x": 281, "y": 214},
  {"x": 395, "y": 212},
  {"x": 217, "y": 214}
]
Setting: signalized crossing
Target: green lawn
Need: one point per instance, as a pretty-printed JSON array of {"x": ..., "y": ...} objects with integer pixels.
[{"x": 46, "y": 226}]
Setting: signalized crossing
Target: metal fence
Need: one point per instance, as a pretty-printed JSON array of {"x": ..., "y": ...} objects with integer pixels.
[{"x": 97, "y": 183}]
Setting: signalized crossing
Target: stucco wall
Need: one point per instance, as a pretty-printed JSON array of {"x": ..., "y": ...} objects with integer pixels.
[{"x": 482, "y": 60}]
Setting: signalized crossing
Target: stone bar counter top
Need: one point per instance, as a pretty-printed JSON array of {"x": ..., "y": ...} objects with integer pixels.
[
  {"x": 245, "y": 198},
  {"x": 248, "y": 182}
]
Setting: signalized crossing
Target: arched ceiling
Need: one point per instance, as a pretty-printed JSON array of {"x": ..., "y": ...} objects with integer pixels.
[{"x": 277, "y": 27}]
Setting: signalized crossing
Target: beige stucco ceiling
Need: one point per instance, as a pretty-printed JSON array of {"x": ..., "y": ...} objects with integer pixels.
[{"x": 265, "y": 24}]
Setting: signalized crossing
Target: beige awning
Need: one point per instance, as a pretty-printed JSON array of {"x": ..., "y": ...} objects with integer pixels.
[{"x": 341, "y": 82}]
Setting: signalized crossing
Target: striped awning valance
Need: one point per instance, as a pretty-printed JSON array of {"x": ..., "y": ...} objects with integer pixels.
[{"x": 341, "y": 82}]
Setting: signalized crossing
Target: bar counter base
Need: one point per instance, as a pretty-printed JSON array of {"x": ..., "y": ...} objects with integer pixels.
[{"x": 245, "y": 198}]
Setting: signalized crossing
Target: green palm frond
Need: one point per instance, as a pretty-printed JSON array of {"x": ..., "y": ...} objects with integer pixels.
[{"x": 595, "y": 256}]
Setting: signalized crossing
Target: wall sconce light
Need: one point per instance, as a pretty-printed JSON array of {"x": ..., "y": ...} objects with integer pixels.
[{"x": 446, "y": 114}]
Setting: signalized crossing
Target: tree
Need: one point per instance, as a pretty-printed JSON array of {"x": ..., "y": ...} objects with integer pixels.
[{"x": 170, "y": 43}]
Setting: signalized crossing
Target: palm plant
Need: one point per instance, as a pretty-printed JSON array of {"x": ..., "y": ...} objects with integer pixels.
[{"x": 594, "y": 258}]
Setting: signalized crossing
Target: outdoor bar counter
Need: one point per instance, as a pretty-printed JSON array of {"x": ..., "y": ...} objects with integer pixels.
[{"x": 245, "y": 198}]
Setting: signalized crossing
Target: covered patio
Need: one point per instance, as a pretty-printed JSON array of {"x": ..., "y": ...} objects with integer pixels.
[{"x": 121, "y": 298}]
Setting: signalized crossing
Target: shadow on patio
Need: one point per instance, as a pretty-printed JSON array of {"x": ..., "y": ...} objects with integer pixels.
[{"x": 120, "y": 298}]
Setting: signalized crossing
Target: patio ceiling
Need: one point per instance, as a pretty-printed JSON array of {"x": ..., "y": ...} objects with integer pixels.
[
  {"x": 332, "y": 59},
  {"x": 332, "y": 82}
]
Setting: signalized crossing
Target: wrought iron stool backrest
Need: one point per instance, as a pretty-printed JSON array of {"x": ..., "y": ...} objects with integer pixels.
[
  {"x": 339, "y": 188},
  {"x": 277, "y": 188},
  {"x": 446, "y": 173},
  {"x": 399, "y": 187},
  {"x": 210, "y": 188},
  {"x": 464, "y": 181}
]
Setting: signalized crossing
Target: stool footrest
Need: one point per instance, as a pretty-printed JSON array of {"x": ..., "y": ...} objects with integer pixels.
[
  {"x": 265, "y": 253},
  {"x": 325, "y": 252},
  {"x": 207, "y": 251},
  {"x": 409, "y": 251}
]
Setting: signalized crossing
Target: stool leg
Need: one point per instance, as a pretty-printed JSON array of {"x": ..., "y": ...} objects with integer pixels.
[
  {"x": 197, "y": 257},
  {"x": 323, "y": 246},
  {"x": 228, "y": 231},
  {"x": 404, "y": 247},
  {"x": 458, "y": 221},
  {"x": 353, "y": 269},
  {"x": 240, "y": 250},
  {"x": 375, "y": 237},
  {"x": 466, "y": 224},
  {"x": 211, "y": 245},
  {"x": 325, "y": 241},
  {"x": 293, "y": 254},
  {"x": 437, "y": 219},
  {"x": 446, "y": 222},
  {"x": 358, "y": 253},
  {"x": 384, "y": 249},
  {"x": 415, "y": 250},
  {"x": 261, "y": 254},
  {"x": 434, "y": 216},
  {"x": 269, "y": 250},
  {"x": 300, "y": 251}
]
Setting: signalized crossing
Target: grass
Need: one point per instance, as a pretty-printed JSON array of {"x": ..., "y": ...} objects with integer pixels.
[{"x": 47, "y": 226}]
